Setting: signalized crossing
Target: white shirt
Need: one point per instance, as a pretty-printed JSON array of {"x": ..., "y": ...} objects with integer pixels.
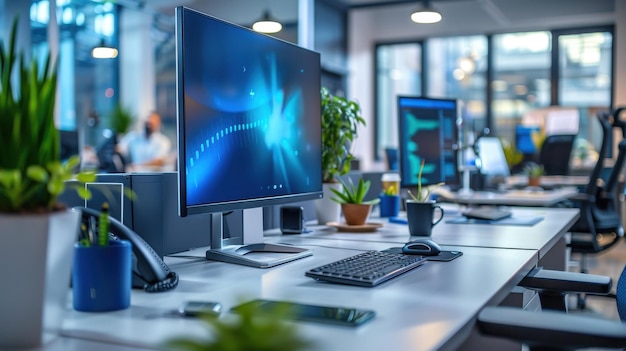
[{"x": 140, "y": 149}]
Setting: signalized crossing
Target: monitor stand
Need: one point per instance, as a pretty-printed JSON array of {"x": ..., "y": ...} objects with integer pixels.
[{"x": 256, "y": 254}]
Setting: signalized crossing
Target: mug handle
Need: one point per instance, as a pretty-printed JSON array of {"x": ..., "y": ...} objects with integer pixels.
[{"x": 440, "y": 217}]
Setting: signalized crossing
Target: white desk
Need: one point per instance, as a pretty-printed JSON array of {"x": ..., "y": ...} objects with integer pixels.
[
  {"x": 522, "y": 180},
  {"x": 512, "y": 197},
  {"x": 540, "y": 237},
  {"x": 430, "y": 308}
]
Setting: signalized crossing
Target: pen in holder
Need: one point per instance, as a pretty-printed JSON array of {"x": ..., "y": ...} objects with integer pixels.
[{"x": 101, "y": 276}]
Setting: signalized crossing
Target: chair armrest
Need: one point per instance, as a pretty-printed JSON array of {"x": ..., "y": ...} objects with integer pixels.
[
  {"x": 566, "y": 282},
  {"x": 550, "y": 328}
]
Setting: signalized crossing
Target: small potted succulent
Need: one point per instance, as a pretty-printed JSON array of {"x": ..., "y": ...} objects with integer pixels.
[
  {"x": 534, "y": 171},
  {"x": 390, "y": 196},
  {"x": 351, "y": 197}
]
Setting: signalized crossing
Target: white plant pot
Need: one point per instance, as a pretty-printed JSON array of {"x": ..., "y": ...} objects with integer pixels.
[
  {"x": 36, "y": 252},
  {"x": 328, "y": 210}
]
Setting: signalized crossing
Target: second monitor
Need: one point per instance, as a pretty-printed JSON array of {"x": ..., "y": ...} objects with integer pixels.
[{"x": 428, "y": 132}]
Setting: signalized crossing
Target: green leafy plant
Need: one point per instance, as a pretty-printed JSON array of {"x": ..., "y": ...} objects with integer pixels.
[
  {"x": 255, "y": 329},
  {"x": 340, "y": 121},
  {"x": 533, "y": 169},
  {"x": 121, "y": 119},
  {"x": 31, "y": 173},
  {"x": 423, "y": 194},
  {"x": 353, "y": 194}
]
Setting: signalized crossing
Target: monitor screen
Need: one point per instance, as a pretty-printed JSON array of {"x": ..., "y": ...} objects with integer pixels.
[
  {"x": 249, "y": 131},
  {"x": 428, "y": 132},
  {"x": 492, "y": 158},
  {"x": 249, "y": 117}
]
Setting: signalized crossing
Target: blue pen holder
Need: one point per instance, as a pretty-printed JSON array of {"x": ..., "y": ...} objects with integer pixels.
[
  {"x": 389, "y": 205},
  {"x": 101, "y": 276}
]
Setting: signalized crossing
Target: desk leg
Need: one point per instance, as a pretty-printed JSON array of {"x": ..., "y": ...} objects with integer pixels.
[{"x": 556, "y": 258}]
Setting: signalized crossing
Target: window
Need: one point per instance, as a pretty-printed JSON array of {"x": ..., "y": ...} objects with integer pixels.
[
  {"x": 499, "y": 79},
  {"x": 457, "y": 69},
  {"x": 398, "y": 72},
  {"x": 521, "y": 78}
]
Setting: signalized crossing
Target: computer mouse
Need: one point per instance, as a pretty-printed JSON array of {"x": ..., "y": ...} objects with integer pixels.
[{"x": 425, "y": 247}]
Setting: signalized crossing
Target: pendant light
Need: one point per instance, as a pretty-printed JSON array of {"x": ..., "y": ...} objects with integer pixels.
[
  {"x": 267, "y": 24},
  {"x": 426, "y": 14}
]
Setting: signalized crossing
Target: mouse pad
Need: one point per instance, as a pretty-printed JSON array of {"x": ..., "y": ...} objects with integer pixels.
[{"x": 443, "y": 256}]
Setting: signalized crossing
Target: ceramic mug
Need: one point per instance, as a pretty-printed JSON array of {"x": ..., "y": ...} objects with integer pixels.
[{"x": 421, "y": 217}]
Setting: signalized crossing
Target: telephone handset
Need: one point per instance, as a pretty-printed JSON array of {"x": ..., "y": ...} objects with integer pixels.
[{"x": 149, "y": 271}]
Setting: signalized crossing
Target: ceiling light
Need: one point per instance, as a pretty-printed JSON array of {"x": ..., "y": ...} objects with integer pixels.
[
  {"x": 103, "y": 51},
  {"x": 267, "y": 24},
  {"x": 426, "y": 14}
]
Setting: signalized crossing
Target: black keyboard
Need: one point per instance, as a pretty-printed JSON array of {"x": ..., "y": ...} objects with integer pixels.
[{"x": 366, "y": 269}]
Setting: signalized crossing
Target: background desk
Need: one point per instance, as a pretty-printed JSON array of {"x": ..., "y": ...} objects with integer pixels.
[
  {"x": 543, "y": 237},
  {"x": 512, "y": 197},
  {"x": 522, "y": 180}
]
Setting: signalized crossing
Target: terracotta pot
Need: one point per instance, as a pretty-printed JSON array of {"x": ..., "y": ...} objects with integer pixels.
[
  {"x": 356, "y": 214},
  {"x": 534, "y": 181}
]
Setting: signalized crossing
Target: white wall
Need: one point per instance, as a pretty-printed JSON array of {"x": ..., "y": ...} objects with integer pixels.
[{"x": 369, "y": 26}]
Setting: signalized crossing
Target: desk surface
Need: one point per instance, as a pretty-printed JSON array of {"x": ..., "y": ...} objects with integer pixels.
[
  {"x": 541, "y": 198},
  {"x": 414, "y": 312},
  {"x": 540, "y": 237},
  {"x": 522, "y": 180},
  {"x": 430, "y": 308}
]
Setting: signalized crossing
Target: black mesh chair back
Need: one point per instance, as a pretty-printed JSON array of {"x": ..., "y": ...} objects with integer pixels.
[
  {"x": 599, "y": 226},
  {"x": 555, "y": 154}
]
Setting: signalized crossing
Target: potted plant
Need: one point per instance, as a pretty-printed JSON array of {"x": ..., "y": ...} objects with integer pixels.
[
  {"x": 340, "y": 121},
  {"x": 352, "y": 200},
  {"x": 256, "y": 328},
  {"x": 121, "y": 119},
  {"x": 534, "y": 171},
  {"x": 36, "y": 233}
]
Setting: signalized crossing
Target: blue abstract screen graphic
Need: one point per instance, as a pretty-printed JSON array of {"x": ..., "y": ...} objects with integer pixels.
[
  {"x": 249, "y": 117},
  {"x": 428, "y": 133}
]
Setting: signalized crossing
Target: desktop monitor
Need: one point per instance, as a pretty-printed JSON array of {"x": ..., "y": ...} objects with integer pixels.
[
  {"x": 428, "y": 132},
  {"x": 249, "y": 130},
  {"x": 492, "y": 161}
]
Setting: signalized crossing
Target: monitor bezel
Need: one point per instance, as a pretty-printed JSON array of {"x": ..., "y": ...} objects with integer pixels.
[
  {"x": 402, "y": 148},
  {"x": 184, "y": 208}
]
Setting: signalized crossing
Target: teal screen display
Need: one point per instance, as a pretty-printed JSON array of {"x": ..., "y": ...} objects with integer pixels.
[{"x": 427, "y": 133}]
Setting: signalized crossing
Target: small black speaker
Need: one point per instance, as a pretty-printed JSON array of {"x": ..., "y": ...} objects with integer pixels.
[{"x": 292, "y": 219}]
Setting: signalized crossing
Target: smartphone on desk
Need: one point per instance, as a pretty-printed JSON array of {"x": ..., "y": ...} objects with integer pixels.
[{"x": 346, "y": 316}]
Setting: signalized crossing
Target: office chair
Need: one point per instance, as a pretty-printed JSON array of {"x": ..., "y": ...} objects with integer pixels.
[
  {"x": 554, "y": 329},
  {"x": 599, "y": 226},
  {"x": 555, "y": 154}
]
